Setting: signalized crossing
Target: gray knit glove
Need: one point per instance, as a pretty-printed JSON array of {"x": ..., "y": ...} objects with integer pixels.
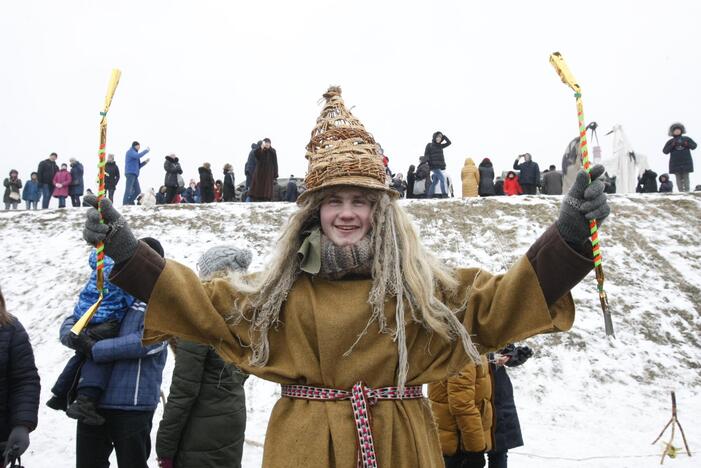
[
  {"x": 120, "y": 243},
  {"x": 583, "y": 203}
]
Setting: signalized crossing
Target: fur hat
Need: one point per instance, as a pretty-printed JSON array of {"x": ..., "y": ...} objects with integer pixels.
[
  {"x": 341, "y": 152},
  {"x": 675, "y": 125},
  {"x": 222, "y": 260}
]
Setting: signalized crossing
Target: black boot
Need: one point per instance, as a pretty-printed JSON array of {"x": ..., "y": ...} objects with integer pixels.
[
  {"x": 85, "y": 411},
  {"x": 57, "y": 403}
]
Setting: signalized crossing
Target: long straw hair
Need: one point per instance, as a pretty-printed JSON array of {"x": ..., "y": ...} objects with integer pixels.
[{"x": 402, "y": 268}]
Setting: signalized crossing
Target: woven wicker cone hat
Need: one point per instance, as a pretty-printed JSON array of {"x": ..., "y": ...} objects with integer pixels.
[{"x": 341, "y": 152}]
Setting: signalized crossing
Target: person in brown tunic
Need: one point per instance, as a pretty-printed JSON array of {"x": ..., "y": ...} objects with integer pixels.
[
  {"x": 353, "y": 307},
  {"x": 265, "y": 174}
]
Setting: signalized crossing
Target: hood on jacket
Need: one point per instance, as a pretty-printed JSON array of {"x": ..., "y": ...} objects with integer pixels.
[
  {"x": 510, "y": 173},
  {"x": 469, "y": 162},
  {"x": 435, "y": 134},
  {"x": 666, "y": 177},
  {"x": 486, "y": 162},
  {"x": 678, "y": 125},
  {"x": 256, "y": 145},
  {"x": 92, "y": 261}
]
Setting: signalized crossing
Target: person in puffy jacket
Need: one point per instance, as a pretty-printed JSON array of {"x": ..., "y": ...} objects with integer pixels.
[
  {"x": 172, "y": 167},
  {"x": 112, "y": 176},
  {"x": 464, "y": 414},
  {"x": 470, "y": 176},
  {"x": 647, "y": 183},
  {"x": 507, "y": 429},
  {"x": 32, "y": 192},
  {"x": 679, "y": 147},
  {"x": 486, "y": 179},
  {"x": 436, "y": 161},
  {"x": 62, "y": 182},
  {"x": 132, "y": 394},
  {"x": 77, "y": 186},
  {"x": 104, "y": 324},
  {"x": 204, "y": 419},
  {"x": 206, "y": 183},
  {"x": 19, "y": 386},
  {"x": 666, "y": 185},
  {"x": 511, "y": 184}
]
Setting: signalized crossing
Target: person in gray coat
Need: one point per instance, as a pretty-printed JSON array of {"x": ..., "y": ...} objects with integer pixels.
[
  {"x": 552, "y": 182},
  {"x": 204, "y": 419}
]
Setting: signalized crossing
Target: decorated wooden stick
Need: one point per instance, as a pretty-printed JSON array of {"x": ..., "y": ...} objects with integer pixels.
[
  {"x": 566, "y": 75},
  {"x": 112, "y": 87}
]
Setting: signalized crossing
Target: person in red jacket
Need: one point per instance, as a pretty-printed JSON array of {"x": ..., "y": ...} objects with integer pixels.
[{"x": 511, "y": 185}]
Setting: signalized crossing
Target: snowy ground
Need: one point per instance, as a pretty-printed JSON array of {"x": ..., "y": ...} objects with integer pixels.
[{"x": 583, "y": 400}]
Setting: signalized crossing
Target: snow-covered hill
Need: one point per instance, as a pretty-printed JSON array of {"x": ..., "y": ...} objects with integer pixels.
[{"x": 584, "y": 400}]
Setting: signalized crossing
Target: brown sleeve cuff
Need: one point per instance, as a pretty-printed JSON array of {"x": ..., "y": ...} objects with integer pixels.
[
  {"x": 139, "y": 274},
  {"x": 558, "y": 266}
]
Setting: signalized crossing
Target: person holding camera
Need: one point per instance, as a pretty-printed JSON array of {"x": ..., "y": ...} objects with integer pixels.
[
  {"x": 528, "y": 175},
  {"x": 679, "y": 150}
]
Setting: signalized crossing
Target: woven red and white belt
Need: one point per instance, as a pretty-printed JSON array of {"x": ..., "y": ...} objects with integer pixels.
[{"x": 361, "y": 398}]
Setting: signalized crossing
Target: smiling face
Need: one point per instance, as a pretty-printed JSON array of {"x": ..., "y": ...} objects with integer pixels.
[{"x": 346, "y": 216}]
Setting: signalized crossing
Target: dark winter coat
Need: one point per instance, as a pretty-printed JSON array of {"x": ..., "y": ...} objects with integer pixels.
[
  {"x": 206, "y": 185},
  {"x": 666, "y": 185},
  {"x": 111, "y": 175},
  {"x": 552, "y": 183},
  {"x": 205, "y": 417},
  {"x": 410, "y": 179},
  {"x": 11, "y": 185},
  {"x": 507, "y": 433},
  {"x": 486, "y": 187},
  {"x": 529, "y": 172},
  {"x": 229, "y": 190},
  {"x": 679, "y": 150},
  {"x": 499, "y": 187},
  {"x": 250, "y": 166},
  {"x": 19, "y": 379},
  {"x": 292, "y": 192},
  {"x": 31, "y": 191},
  {"x": 137, "y": 370},
  {"x": 434, "y": 154},
  {"x": 262, "y": 185},
  {"x": 46, "y": 171},
  {"x": 77, "y": 186},
  {"x": 423, "y": 171},
  {"x": 647, "y": 183},
  {"x": 173, "y": 169}
]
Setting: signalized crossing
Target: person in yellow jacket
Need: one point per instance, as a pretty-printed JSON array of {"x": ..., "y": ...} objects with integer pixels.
[
  {"x": 464, "y": 413},
  {"x": 470, "y": 176}
]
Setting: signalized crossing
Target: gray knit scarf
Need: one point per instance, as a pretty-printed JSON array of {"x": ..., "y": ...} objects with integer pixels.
[{"x": 351, "y": 260}]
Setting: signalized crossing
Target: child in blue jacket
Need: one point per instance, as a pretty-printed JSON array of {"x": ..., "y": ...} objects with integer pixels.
[{"x": 104, "y": 324}]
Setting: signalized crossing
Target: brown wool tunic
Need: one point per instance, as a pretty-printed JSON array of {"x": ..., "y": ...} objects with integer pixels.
[{"x": 321, "y": 319}]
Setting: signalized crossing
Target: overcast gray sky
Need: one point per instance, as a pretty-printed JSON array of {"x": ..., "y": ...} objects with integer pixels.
[{"x": 205, "y": 79}]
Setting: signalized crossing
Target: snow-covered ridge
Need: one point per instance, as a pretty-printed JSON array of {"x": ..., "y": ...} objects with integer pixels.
[{"x": 581, "y": 396}]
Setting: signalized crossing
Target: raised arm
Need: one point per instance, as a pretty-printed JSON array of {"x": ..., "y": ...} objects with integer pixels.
[{"x": 668, "y": 146}]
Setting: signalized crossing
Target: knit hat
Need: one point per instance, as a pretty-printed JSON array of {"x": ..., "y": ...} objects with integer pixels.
[
  {"x": 222, "y": 260},
  {"x": 341, "y": 152}
]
